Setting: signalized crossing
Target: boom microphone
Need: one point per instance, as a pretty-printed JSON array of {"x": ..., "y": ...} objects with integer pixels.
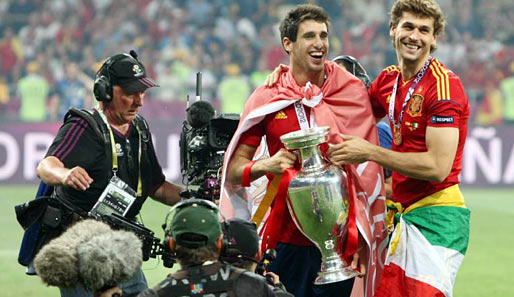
[
  {"x": 91, "y": 253},
  {"x": 199, "y": 113}
]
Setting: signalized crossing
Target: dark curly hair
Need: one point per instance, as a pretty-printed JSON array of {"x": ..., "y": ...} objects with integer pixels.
[{"x": 289, "y": 26}]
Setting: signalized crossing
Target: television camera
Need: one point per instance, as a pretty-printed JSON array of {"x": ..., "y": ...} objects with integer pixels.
[{"x": 205, "y": 137}]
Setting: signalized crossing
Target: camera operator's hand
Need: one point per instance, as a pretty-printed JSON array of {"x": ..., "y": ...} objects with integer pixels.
[
  {"x": 275, "y": 279},
  {"x": 53, "y": 172},
  {"x": 279, "y": 162},
  {"x": 77, "y": 178},
  {"x": 112, "y": 292}
]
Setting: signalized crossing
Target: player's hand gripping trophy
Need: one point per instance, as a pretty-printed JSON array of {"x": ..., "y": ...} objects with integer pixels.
[{"x": 318, "y": 200}]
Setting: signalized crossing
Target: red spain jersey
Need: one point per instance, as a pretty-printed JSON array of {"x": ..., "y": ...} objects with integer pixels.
[
  {"x": 273, "y": 126},
  {"x": 439, "y": 100}
]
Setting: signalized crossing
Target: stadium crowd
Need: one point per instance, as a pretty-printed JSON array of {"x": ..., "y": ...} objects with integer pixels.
[{"x": 50, "y": 50}]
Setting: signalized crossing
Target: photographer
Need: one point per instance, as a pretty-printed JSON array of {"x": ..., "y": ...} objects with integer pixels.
[
  {"x": 244, "y": 251},
  {"x": 196, "y": 239},
  {"x": 108, "y": 147}
]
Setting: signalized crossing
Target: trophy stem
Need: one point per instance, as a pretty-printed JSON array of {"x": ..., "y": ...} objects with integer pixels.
[
  {"x": 333, "y": 270},
  {"x": 312, "y": 159},
  {"x": 318, "y": 202}
]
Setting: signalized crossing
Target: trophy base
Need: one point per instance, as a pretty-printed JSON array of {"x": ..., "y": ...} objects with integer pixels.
[{"x": 333, "y": 271}]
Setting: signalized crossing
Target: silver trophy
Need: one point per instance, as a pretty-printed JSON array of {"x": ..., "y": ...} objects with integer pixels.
[{"x": 317, "y": 201}]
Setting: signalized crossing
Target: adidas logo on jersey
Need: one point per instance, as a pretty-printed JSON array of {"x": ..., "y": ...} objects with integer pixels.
[{"x": 281, "y": 115}]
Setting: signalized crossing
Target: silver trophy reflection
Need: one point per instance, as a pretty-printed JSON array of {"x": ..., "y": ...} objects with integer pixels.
[{"x": 317, "y": 201}]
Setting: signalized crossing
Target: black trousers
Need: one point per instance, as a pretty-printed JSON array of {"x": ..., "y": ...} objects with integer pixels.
[{"x": 297, "y": 267}]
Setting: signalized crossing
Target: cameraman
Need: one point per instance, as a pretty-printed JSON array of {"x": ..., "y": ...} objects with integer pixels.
[
  {"x": 244, "y": 251},
  {"x": 81, "y": 160},
  {"x": 196, "y": 239}
]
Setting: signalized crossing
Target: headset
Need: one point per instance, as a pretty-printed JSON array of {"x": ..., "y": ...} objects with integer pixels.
[
  {"x": 169, "y": 242},
  {"x": 354, "y": 67},
  {"x": 102, "y": 88},
  {"x": 232, "y": 253}
]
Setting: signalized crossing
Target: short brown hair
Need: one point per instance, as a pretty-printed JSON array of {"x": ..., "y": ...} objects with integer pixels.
[
  {"x": 187, "y": 256},
  {"x": 424, "y": 8},
  {"x": 289, "y": 25}
]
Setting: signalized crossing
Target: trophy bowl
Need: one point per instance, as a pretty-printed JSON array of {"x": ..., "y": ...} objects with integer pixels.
[{"x": 318, "y": 201}]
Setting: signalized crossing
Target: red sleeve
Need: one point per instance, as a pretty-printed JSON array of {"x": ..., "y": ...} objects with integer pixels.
[
  {"x": 374, "y": 97},
  {"x": 446, "y": 112},
  {"x": 253, "y": 136}
]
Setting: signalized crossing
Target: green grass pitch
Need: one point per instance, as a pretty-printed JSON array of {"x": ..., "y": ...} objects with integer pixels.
[{"x": 486, "y": 271}]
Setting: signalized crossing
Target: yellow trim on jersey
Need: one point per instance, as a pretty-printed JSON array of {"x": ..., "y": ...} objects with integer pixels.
[
  {"x": 442, "y": 79},
  {"x": 438, "y": 81},
  {"x": 391, "y": 69},
  {"x": 447, "y": 78}
]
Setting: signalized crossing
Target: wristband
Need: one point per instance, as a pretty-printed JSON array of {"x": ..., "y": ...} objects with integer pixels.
[{"x": 245, "y": 179}]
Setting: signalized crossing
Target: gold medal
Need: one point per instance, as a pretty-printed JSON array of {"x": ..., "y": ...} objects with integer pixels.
[{"x": 397, "y": 135}]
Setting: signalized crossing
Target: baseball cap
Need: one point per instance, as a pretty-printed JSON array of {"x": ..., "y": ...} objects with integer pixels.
[
  {"x": 242, "y": 235},
  {"x": 195, "y": 216},
  {"x": 129, "y": 73}
]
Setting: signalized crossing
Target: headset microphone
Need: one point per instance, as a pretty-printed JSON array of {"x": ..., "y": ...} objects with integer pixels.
[{"x": 133, "y": 54}]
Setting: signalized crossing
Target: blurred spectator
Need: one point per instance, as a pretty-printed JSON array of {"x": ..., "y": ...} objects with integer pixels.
[
  {"x": 169, "y": 89},
  {"x": 233, "y": 91},
  {"x": 33, "y": 91},
  {"x": 74, "y": 90},
  {"x": 18, "y": 11},
  {"x": 507, "y": 87},
  {"x": 4, "y": 95},
  {"x": 491, "y": 107},
  {"x": 259, "y": 75},
  {"x": 186, "y": 36},
  {"x": 11, "y": 54}
]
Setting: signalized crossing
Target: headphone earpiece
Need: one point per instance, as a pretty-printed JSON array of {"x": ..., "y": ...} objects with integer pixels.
[
  {"x": 102, "y": 88},
  {"x": 170, "y": 244},
  {"x": 221, "y": 246}
]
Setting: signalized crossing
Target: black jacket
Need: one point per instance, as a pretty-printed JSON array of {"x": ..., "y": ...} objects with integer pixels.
[{"x": 216, "y": 280}]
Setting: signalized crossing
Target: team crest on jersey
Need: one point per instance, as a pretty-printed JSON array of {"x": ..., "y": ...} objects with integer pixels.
[{"x": 415, "y": 105}]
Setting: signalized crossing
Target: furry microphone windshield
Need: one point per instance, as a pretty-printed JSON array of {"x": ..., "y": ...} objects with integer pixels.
[{"x": 91, "y": 253}]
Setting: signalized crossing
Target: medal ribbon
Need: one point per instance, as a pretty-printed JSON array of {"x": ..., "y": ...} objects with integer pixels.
[
  {"x": 352, "y": 242},
  {"x": 419, "y": 76},
  {"x": 273, "y": 229}
]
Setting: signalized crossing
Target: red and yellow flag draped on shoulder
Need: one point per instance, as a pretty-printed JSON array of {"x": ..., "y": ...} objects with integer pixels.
[{"x": 341, "y": 103}]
